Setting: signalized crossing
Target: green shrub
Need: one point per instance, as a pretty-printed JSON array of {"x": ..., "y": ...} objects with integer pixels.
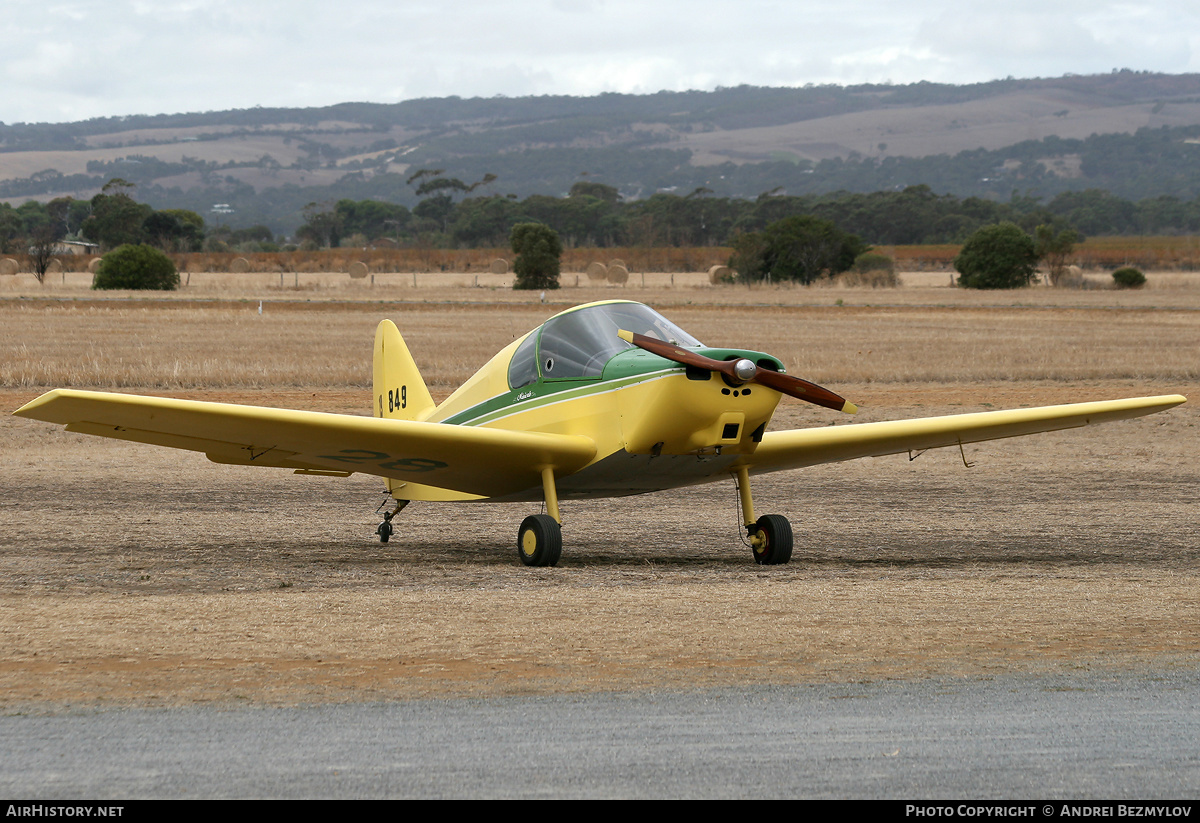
[
  {"x": 999, "y": 256},
  {"x": 748, "y": 260},
  {"x": 802, "y": 248},
  {"x": 876, "y": 279},
  {"x": 136, "y": 267},
  {"x": 878, "y": 271},
  {"x": 538, "y": 250},
  {"x": 873, "y": 261},
  {"x": 1128, "y": 277}
]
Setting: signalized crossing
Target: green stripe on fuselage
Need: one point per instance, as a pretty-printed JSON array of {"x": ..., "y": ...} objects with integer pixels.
[
  {"x": 626, "y": 368},
  {"x": 545, "y": 392}
]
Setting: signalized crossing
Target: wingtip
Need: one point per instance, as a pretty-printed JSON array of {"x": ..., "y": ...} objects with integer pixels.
[{"x": 30, "y": 408}]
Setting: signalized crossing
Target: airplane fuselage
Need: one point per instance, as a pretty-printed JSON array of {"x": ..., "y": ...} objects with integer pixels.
[{"x": 656, "y": 425}]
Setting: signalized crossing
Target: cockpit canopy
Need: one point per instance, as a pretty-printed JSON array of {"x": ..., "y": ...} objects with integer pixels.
[{"x": 577, "y": 344}]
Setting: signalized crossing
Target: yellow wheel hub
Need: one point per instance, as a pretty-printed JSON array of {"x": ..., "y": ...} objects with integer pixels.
[{"x": 529, "y": 543}]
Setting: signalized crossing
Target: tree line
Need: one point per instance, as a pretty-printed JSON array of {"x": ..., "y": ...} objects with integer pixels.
[
  {"x": 452, "y": 213},
  {"x": 593, "y": 214},
  {"x": 113, "y": 218}
]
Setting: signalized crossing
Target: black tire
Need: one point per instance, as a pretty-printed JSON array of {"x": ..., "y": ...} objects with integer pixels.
[
  {"x": 776, "y": 534},
  {"x": 539, "y": 542}
]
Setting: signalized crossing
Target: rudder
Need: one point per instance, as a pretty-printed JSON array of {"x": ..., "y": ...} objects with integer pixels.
[{"x": 400, "y": 393}]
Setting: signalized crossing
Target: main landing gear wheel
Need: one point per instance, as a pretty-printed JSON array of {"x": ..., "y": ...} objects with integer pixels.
[
  {"x": 774, "y": 544},
  {"x": 539, "y": 542}
]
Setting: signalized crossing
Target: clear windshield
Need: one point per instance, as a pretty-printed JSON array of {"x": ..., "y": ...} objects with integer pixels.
[{"x": 578, "y": 344}]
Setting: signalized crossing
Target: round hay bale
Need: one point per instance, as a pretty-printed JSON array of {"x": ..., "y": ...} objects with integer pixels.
[
  {"x": 617, "y": 274},
  {"x": 597, "y": 271},
  {"x": 358, "y": 270},
  {"x": 240, "y": 265},
  {"x": 9, "y": 266},
  {"x": 720, "y": 274},
  {"x": 498, "y": 266},
  {"x": 616, "y": 261},
  {"x": 93, "y": 265},
  {"x": 55, "y": 266}
]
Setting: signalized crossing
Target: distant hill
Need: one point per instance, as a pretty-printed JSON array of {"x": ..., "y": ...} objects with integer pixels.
[{"x": 1132, "y": 133}]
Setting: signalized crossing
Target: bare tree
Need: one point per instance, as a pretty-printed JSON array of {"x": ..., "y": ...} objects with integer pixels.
[
  {"x": 1054, "y": 248},
  {"x": 43, "y": 244}
]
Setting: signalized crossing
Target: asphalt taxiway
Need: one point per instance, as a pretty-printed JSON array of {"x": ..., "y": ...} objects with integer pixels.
[{"x": 1092, "y": 735}]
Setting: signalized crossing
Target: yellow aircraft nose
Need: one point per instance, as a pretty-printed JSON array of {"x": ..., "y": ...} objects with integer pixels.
[{"x": 677, "y": 415}]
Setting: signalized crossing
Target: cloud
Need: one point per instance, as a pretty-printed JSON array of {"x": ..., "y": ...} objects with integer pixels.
[
  {"x": 1030, "y": 39},
  {"x": 85, "y": 58}
]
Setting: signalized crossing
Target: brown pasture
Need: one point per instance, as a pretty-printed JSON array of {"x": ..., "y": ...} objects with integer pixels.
[
  {"x": 136, "y": 575},
  {"x": 920, "y": 131}
]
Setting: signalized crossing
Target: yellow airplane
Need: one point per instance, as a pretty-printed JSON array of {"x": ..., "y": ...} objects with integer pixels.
[{"x": 603, "y": 400}]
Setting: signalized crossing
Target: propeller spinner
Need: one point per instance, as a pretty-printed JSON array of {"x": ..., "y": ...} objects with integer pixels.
[{"x": 743, "y": 371}]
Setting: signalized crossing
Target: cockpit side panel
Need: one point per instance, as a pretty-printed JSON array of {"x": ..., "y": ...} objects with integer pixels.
[{"x": 490, "y": 381}]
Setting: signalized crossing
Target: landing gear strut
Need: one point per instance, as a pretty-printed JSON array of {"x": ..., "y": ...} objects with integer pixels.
[
  {"x": 539, "y": 542},
  {"x": 770, "y": 536}
]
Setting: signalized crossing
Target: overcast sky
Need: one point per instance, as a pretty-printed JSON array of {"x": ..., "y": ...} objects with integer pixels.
[{"x": 70, "y": 60}]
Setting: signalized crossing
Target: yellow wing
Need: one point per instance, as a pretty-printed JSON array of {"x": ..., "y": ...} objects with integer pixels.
[
  {"x": 468, "y": 460},
  {"x": 809, "y": 447}
]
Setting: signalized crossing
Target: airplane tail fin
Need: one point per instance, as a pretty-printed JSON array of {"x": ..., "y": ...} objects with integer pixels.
[{"x": 400, "y": 393}]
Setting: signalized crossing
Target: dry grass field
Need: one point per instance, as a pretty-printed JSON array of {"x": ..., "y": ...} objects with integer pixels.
[
  {"x": 25, "y": 163},
  {"x": 920, "y": 131},
  {"x": 135, "y": 575}
]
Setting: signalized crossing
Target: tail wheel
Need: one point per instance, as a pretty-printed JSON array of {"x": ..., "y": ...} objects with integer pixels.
[
  {"x": 385, "y": 529},
  {"x": 774, "y": 540},
  {"x": 539, "y": 542}
]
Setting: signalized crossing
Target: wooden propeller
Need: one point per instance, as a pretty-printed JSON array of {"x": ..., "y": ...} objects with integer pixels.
[{"x": 743, "y": 371}]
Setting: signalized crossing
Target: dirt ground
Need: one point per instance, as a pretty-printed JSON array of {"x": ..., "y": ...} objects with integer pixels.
[{"x": 131, "y": 575}]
